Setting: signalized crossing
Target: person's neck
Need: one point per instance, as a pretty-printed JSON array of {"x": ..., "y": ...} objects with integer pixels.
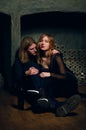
[{"x": 43, "y": 53}]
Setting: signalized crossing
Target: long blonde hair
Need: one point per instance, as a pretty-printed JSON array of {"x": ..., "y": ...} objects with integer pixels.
[
  {"x": 51, "y": 47},
  {"x": 25, "y": 43}
]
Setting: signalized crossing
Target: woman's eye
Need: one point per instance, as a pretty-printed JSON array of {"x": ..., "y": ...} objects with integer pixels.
[{"x": 45, "y": 41}]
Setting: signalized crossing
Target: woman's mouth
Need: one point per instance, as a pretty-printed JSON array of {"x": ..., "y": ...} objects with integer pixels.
[{"x": 42, "y": 46}]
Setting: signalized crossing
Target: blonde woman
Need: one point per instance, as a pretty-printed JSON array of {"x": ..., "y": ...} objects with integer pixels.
[
  {"x": 55, "y": 76},
  {"x": 65, "y": 83}
]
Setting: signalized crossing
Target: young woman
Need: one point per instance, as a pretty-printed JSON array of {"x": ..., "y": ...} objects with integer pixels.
[
  {"x": 64, "y": 81},
  {"x": 53, "y": 72},
  {"x": 26, "y": 70}
]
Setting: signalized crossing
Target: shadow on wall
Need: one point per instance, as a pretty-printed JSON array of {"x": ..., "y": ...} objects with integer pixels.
[
  {"x": 5, "y": 48},
  {"x": 67, "y": 28}
]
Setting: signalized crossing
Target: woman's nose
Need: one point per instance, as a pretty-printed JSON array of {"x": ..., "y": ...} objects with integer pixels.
[
  {"x": 42, "y": 42},
  {"x": 35, "y": 49}
]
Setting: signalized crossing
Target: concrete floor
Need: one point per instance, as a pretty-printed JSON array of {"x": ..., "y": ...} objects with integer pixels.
[{"x": 14, "y": 119}]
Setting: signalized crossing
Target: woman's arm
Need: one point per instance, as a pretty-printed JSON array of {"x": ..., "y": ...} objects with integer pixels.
[
  {"x": 54, "y": 51},
  {"x": 45, "y": 74},
  {"x": 31, "y": 71},
  {"x": 61, "y": 67}
]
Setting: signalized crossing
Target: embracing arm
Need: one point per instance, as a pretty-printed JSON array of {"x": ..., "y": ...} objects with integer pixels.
[
  {"x": 31, "y": 71},
  {"x": 61, "y": 67}
]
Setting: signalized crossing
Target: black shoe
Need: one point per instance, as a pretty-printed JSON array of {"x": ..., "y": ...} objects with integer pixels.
[
  {"x": 68, "y": 106},
  {"x": 33, "y": 91},
  {"x": 43, "y": 102},
  {"x": 33, "y": 94}
]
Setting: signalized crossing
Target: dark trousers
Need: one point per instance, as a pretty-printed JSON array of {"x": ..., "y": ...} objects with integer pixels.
[
  {"x": 65, "y": 87},
  {"x": 36, "y": 83}
]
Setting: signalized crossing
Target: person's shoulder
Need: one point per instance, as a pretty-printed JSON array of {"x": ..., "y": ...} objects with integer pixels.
[
  {"x": 55, "y": 51},
  {"x": 58, "y": 53}
]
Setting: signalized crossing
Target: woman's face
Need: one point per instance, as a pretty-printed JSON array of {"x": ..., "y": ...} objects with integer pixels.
[
  {"x": 32, "y": 49},
  {"x": 44, "y": 43}
]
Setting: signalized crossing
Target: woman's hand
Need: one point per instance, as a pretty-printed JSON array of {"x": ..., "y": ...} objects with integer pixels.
[
  {"x": 55, "y": 52},
  {"x": 45, "y": 74},
  {"x": 32, "y": 71}
]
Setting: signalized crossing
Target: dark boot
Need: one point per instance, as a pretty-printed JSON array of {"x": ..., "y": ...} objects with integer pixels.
[{"x": 68, "y": 106}]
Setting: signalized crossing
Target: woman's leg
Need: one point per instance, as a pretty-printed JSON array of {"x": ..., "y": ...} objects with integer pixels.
[
  {"x": 32, "y": 81},
  {"x": 60, "y": 109},
  {"x": 66, "y": 87}
]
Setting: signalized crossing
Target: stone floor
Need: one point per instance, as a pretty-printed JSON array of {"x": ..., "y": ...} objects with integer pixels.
[{"x": 14, "y": 119}]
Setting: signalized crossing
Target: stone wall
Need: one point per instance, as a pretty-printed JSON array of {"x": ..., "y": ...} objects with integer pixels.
[{"x": 16, "y": 9}]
